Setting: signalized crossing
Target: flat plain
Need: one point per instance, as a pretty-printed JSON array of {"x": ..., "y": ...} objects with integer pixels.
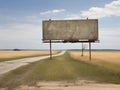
[
  {"x": 70, "y": 71},
  {"x": 9, "y": 55},
  {"x": 109, "y": 59}
]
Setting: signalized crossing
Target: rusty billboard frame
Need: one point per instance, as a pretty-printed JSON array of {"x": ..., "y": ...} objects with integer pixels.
[
  {"x": 70, "y": 30},
  {"x": 52, "y": 27}
]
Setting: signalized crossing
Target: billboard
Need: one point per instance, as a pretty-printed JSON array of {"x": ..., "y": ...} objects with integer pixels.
[{"x": 70, "y": 30}]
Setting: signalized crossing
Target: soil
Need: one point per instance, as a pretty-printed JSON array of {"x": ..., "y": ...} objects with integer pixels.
[{"x": 70, "y": 85}]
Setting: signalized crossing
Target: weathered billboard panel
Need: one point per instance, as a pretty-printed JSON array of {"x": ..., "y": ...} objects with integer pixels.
[{"x": 70, "y": 30}]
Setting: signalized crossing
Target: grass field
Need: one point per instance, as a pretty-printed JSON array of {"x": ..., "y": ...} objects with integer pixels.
[
  {"x": 10, "y": 55},
  {"x": 60, "y": 68},
  {"x": 109, "y": 59}
]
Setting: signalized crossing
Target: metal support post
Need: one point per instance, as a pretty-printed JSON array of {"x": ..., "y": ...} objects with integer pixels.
[
  {"x": 90, "y": 51},
  {"x": 82, "y": 49},
  {"x": 50, "y": 50}
]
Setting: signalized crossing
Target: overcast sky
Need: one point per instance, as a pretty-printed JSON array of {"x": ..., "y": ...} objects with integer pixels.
[{"x": 21, "y": 21}]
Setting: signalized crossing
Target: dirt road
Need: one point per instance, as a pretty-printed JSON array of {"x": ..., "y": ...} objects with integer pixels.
[
  {"x": 65, "y": 85},
  {"x": 7, "y": 66}
]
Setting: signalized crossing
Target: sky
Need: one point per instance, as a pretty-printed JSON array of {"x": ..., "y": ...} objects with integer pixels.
[{"x": 21, "y": 22}]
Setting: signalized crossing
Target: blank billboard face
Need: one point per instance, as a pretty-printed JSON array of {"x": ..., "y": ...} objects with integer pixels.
[{"x": 71, "y": 30}]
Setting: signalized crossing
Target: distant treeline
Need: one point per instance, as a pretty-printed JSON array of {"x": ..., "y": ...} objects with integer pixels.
[
  {"x": 59, "y": 49},
  {"x": 20, "y": 49}
]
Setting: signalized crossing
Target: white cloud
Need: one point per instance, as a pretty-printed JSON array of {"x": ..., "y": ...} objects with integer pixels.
[
  {"x": 108, "y": 10},
  {"x": 73, "y": 16},
  {"x": 21, "y": 27},
  {"x": 20, "y": 36},
  {"x": 55, "y": 11}
]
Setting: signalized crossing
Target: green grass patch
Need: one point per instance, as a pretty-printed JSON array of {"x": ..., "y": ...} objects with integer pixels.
[{"x": 60, "y": 68}]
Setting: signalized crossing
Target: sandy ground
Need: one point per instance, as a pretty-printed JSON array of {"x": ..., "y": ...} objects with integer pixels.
[
  {"x": 7, "y": 66},
  {"x": 68, "y": 85}
]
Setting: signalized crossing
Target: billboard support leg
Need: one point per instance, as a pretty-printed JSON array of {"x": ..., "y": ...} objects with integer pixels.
[
  {"x": 90, "y": 51},
  {"x": 82, "y": 49},
  {"x": 50, "y": 50}
]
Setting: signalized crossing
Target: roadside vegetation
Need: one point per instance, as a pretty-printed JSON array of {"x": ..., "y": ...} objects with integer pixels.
[
  {"x": 13, "y": 55},
  {"x": 106, "y": 59},
  {"x": 59, "y": 68}
]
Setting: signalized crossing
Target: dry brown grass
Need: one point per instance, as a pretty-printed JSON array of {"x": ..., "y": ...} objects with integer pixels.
[
  {"x": 109, "y": 59},
  {"x": 4, "y": 55}
]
